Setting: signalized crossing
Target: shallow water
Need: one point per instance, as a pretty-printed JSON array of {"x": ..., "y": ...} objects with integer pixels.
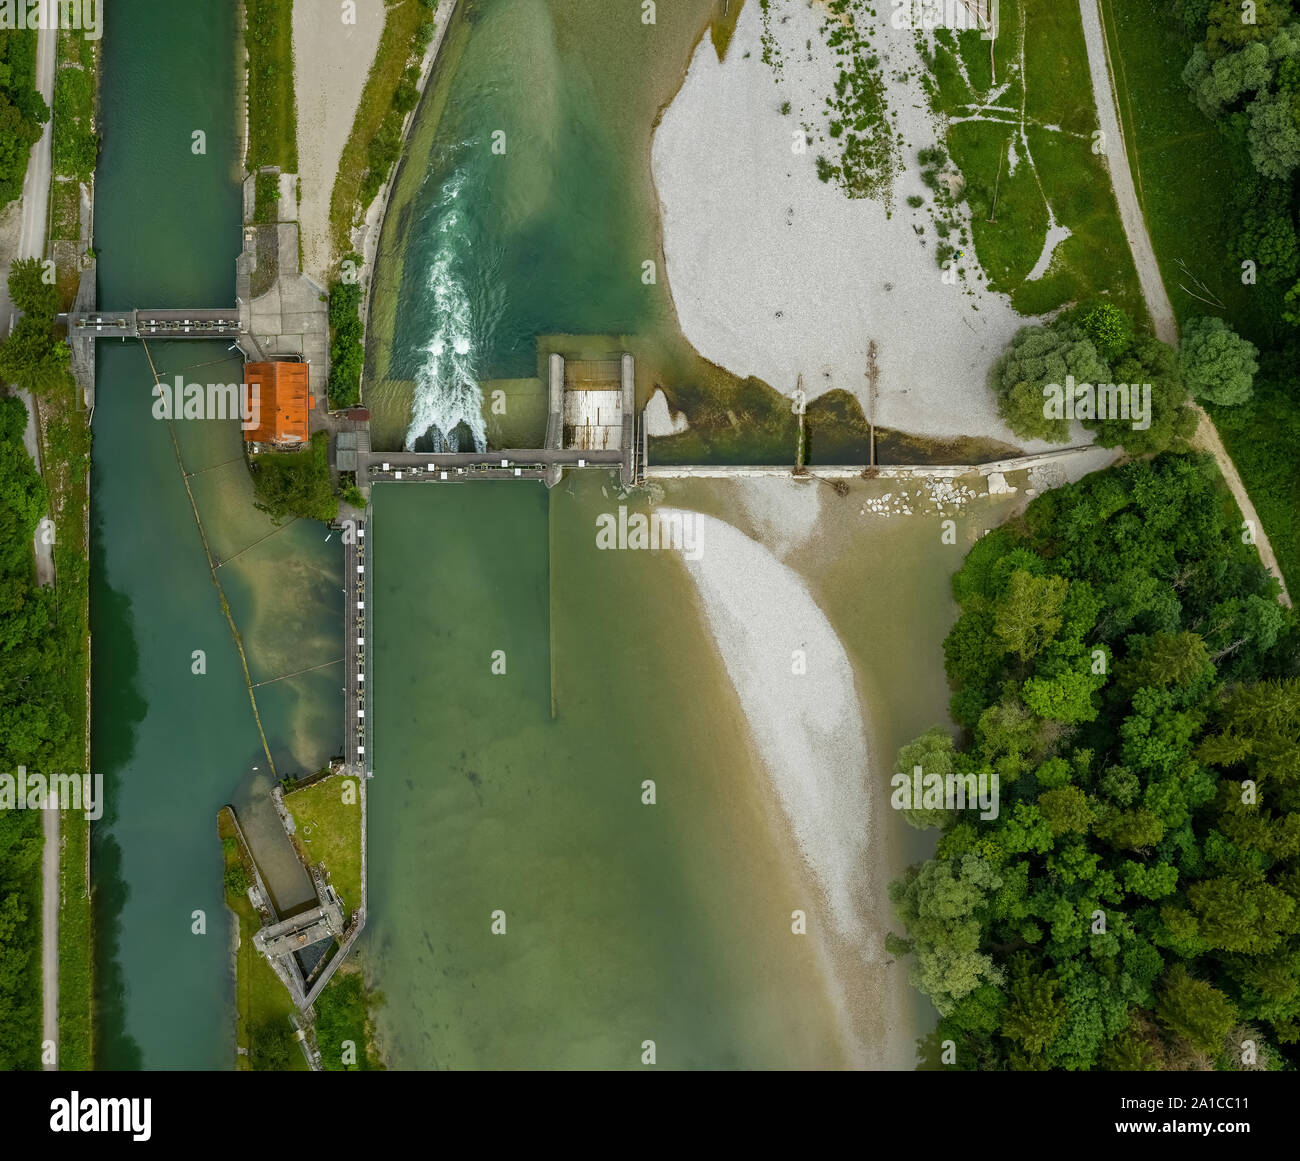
[{"x": 625, "y": 922}]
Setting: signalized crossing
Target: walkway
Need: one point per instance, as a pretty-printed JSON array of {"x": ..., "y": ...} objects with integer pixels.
[{"x": 1148, "y": 269}]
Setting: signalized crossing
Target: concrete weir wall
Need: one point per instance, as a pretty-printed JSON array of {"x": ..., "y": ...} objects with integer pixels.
[{"x": 851, "y": 471}]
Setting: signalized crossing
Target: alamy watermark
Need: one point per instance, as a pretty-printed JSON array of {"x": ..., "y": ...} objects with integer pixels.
[
  {"x": 84, "y": 16},
  {"x": 957, "y": 15},
  {"x": 1131, "y": 401},
  {"x": 27, "y": 791},
  {"x": 677, "y": 531},
  {"x": 921, "y": 791},
  {"x": 182, "y": 400}
]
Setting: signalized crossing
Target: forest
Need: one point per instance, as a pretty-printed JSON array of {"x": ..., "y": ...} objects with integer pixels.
[{"x": 1121, "y": 663}]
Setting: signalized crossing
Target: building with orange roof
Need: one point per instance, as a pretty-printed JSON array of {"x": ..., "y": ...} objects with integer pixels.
[{"x": 279, "y": 402}]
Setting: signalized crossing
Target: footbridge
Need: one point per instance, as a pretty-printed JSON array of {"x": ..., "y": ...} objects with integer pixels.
[{"x": 183, "y": 323}]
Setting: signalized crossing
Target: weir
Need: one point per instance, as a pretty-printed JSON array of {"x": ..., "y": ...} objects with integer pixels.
[{"x": 591, "y": 423}]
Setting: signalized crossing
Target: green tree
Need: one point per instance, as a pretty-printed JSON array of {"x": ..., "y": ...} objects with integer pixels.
[
  {"x": 1035, "y": 1014},
  {"x": 1038, "y": 359},
  {"x": 934, "y": 752},
  {"x": 30, "y": 292},
  {"x": 1109, "y": 329},
  {"x": 1267, "y": 234},
  {"x": 1216, "y": 363},
  {"x": 1066, "y": 809},
  {"x": 1167, "y": 659},
  {"x": 1028, "y": 614},
  {"x": 937, "y": 904},
  {"x": 1170, "y": 422},
  {"x": 1195, "y": 1010}
]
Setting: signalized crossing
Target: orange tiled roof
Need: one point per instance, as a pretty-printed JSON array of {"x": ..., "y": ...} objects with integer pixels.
[{"x": 280, "y": 402}]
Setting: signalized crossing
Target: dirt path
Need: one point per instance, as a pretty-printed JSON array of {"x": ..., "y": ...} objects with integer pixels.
[{"x": 1148, "y": 269}]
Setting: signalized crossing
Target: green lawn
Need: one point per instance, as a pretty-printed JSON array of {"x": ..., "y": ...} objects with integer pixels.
[
  {"x": 272, "y": 105},
  {"x": 1009, "y": 207},
  {"x": 1187, "y": 173},
  {"x": 328, "y": 819}
]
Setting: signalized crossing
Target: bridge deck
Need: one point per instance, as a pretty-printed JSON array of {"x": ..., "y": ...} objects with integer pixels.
[{"x": 160, "y": 323}]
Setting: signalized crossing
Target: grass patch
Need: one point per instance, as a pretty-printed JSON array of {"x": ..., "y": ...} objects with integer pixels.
[
  {"x": 343, "y": 1013},
  {"x": 327, "y": 815},
  {"x": 1008, "y": 247},
  {"x": 266, "y": 200},
  {"x": 1096, "y": 258},
  {"x": 953, "y": 91},
  {"x": 375, "y": 141},
  {"x": 272, "y": 104},
  {"x": 76, "y": 942},
  {"x": 268, "y": 261},
  {"x": 1057, "y": 90},
  {"x": 347, "y": 354},
  {"x": 75, "y": 146},
  {"x": 74, "y": 48},
  {"x": 65, "y": 210}
]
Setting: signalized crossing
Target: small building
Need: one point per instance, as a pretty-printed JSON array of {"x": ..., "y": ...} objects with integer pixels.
[{"x": 279, "y": 402}]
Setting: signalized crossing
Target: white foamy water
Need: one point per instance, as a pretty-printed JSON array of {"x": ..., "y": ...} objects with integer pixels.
[
  {"x": 807, "y": 726},
  {"x": 446, "y": 385}
]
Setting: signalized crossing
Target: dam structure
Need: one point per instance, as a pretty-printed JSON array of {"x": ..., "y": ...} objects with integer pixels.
[{"x": 591, "y": 423}]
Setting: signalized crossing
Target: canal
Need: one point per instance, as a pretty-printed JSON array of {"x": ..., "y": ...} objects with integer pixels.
[{"x": 172, "y": 727}]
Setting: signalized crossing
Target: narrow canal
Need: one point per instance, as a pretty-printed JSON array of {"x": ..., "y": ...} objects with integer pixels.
[{"x": 172, "y": 727}]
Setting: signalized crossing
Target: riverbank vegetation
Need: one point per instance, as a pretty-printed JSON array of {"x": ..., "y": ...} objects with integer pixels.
[
  {"x": 272, "y": 102},
  {"x": 1021, "y": 134},
  {"x": 64, "y": 433},
  {"x": 374, "y": 144},
  {"x": 75, "y": 148},
  {"x": 1122, "y": 666},
  {"x": 345, "y": 1024},
  {"x": 347, "y": 352},
  {"x": 1213, "y": 135},
  {"x": 296, "y": 483}
]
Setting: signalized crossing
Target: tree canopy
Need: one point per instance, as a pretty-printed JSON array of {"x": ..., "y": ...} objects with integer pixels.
[{"x": 1123, "y": 667}]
